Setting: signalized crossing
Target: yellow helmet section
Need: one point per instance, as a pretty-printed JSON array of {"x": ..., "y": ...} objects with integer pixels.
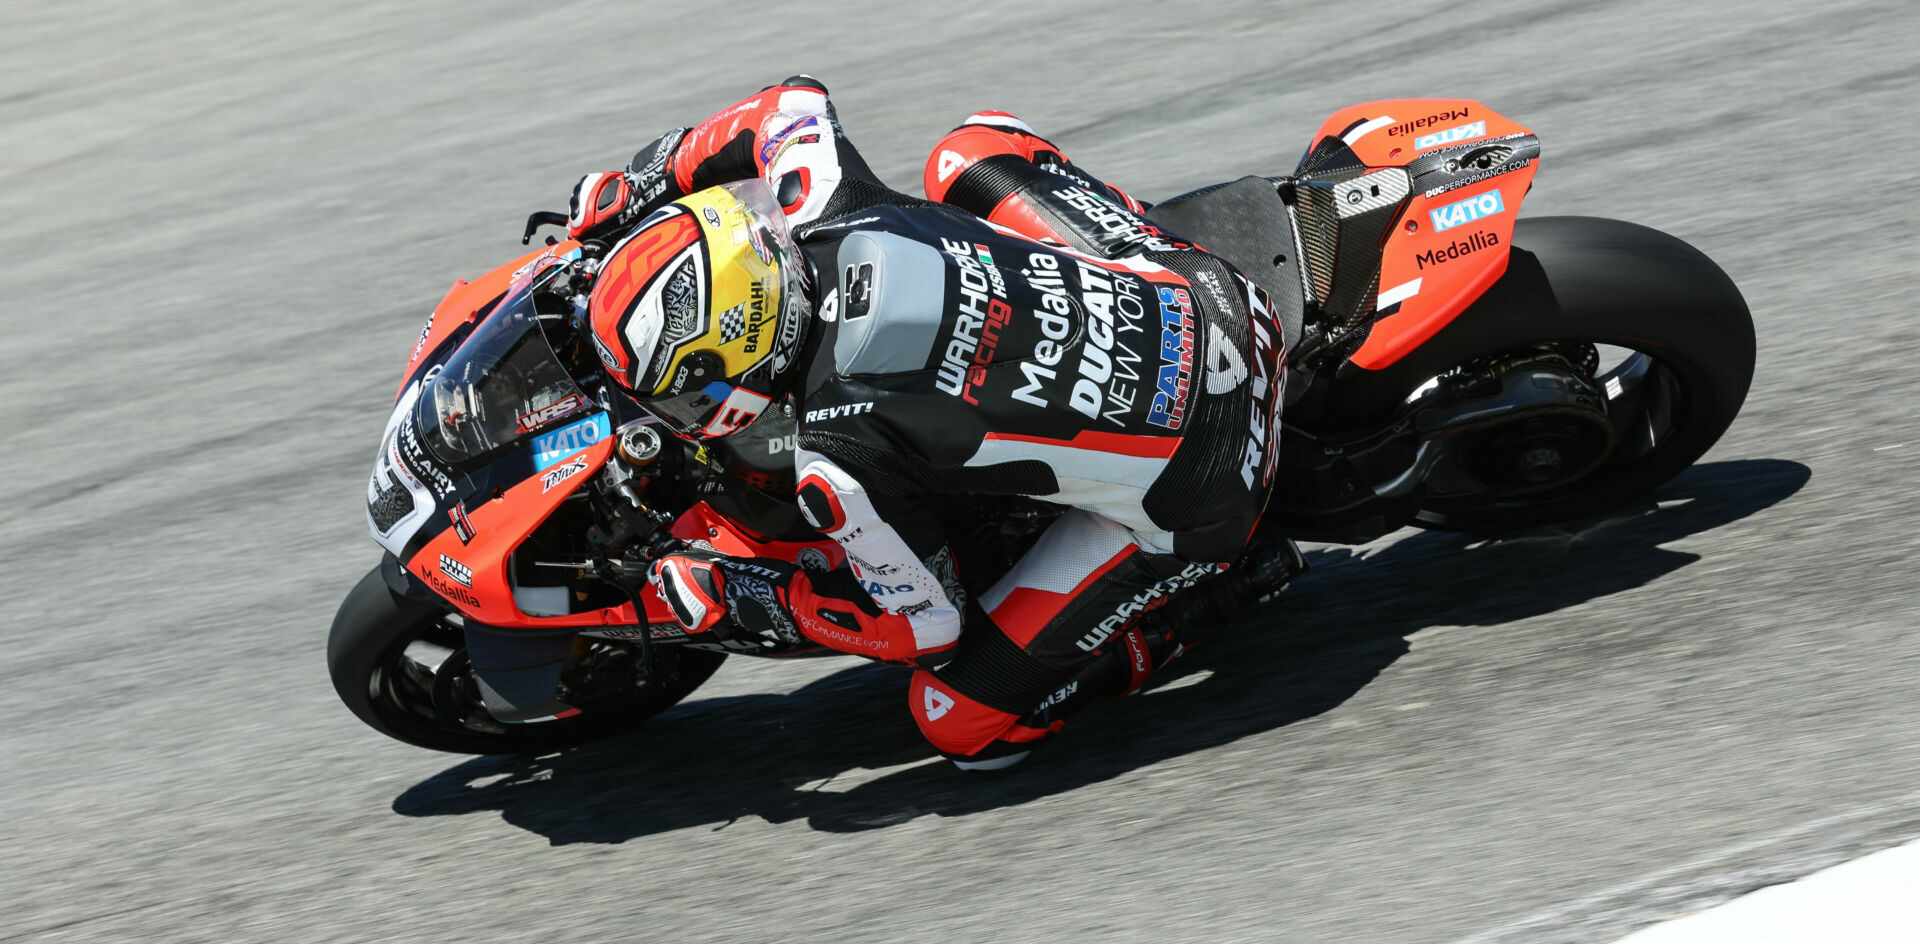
[
  {"x": 701, "y": 310},
  {"x": 743, "y": 289}
]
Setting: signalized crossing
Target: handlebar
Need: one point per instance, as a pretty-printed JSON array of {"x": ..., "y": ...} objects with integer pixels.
[{"x": 542, "y": 218}]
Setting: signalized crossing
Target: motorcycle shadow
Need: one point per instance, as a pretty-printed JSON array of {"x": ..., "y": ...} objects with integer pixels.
[{"x": 842, "y": 753}]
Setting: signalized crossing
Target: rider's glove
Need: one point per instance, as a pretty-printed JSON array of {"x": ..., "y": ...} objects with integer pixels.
[
  {"x": 732, "y": 599},
  {"x": 693, "y": 586},
  {"x": 651, "y": 173},
  {"x": 607, "y": 201},
  {"x": 599, "y": 205}
]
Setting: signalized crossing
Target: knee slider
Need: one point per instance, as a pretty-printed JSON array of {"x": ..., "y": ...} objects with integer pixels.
[
  {"x": 955, "y": 724},
  {"x": 802, "y": 81}
]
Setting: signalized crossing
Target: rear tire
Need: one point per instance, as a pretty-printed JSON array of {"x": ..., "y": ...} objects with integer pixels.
[
  {"x": 1607, "y": 283},
  {"x": 366, "y": 657}
]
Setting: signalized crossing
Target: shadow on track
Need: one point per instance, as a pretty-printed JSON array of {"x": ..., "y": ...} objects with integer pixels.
[{"x": 814, "y": 754}]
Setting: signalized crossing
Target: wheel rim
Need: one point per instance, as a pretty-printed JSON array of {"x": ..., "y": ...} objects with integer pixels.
[
  {"x": 1648, "y": 405},
  {"x": 424, "y": 679}
]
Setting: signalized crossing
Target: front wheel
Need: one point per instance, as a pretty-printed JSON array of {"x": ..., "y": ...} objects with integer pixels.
[{"x": 400, "y": 665}]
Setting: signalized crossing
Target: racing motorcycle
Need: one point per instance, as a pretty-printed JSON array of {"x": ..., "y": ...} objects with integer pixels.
[{"x": 1449, "y": 366}]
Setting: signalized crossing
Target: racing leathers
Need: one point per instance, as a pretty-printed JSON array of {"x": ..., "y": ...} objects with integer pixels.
[{"x": 1027, "y": 333}]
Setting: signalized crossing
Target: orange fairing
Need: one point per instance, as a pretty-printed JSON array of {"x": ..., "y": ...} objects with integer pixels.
[
  {"x": 473, "y": 576},
  {"x": 500, "y": 525},
  {"x": 465, "y": 299},
  {"x": 1449, "y": 245}
]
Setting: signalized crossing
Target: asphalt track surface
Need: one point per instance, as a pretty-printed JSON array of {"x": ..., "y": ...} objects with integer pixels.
[{"x": 224, "y": 224}]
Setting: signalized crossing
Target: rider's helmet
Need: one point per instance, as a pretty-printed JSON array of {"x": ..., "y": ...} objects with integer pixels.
[{"x": 698, "y": 313}]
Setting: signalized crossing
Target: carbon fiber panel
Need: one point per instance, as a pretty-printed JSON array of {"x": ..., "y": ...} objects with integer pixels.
[
  {"x": 1344, "y": 214},
  {"x": 1319, "y": 236},
  {"x": 1467, "y": 164},
  {"x": 1247, "y": 224}
]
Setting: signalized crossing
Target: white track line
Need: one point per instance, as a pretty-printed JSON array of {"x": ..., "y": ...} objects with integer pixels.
[
  {"x": 1875, "y": 900},
  {"x": 1610, "y": 905}
]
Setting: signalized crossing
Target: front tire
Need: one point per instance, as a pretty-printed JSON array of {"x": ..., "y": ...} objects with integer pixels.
[{"x": 420, "y": 702}]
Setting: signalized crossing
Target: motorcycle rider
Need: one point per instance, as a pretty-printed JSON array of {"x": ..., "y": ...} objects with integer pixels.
[{"x": 1025, "y": 332}]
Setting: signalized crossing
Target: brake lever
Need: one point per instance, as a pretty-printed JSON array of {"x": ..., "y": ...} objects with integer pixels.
[
  {"x": 542, "y": 218},
  {"x": 660, "y": 544}
]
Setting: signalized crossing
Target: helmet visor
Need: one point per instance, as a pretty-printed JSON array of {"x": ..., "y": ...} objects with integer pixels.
[
  {"x": 689, "y": 413},
  {"x": 503, "y": 384},
  {"x": 707, "y": 405},
  {"x": 773, "y": 242},
  {"x": 767, "y": 229}
]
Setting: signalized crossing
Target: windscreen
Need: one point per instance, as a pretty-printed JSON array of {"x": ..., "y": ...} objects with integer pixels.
[{"x": 501, "y": 385}]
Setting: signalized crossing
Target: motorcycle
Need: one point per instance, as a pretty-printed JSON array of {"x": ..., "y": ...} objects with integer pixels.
[{"x": 1449, "y": 366}]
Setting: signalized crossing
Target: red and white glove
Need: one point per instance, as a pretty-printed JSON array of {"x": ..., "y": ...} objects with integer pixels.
[
  {"x": 770, "y": 602},
  {"x": 606, "y": 201},
  {"x": 598, "y": 203},
  {"x": 735, "y": 599},
  {"x": 694, "y": 587}
]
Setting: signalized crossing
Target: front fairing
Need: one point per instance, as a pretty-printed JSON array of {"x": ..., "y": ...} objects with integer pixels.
[
  {"x": 466, "y": 522},
  {"x": 481, "y": 447},
  {"x": 455, "y": 529}
]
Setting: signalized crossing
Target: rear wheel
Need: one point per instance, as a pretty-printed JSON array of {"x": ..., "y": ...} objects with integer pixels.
[
  {"x": 400, "y": 665},
  {"x": 1664, "y": 417},
  {"x": 1654, "y": 326}
]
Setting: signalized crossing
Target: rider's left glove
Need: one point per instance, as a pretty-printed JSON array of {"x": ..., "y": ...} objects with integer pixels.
[
  {"x": 732, "y": 599},
  {"x": 694, "y": 586}
]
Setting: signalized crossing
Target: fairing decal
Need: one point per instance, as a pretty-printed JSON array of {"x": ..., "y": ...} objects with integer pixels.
[
  {"x": 398, "y": 498},
  {"x": 1469, "y": 169},
  {"x": 501, "y": 519}
]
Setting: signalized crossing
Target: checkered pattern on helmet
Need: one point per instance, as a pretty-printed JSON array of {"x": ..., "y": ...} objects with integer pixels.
[{"x": 733, "y": 324}]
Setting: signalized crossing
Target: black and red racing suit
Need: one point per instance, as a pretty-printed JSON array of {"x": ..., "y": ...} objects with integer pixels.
[{"x": 1030, "y": 334}]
